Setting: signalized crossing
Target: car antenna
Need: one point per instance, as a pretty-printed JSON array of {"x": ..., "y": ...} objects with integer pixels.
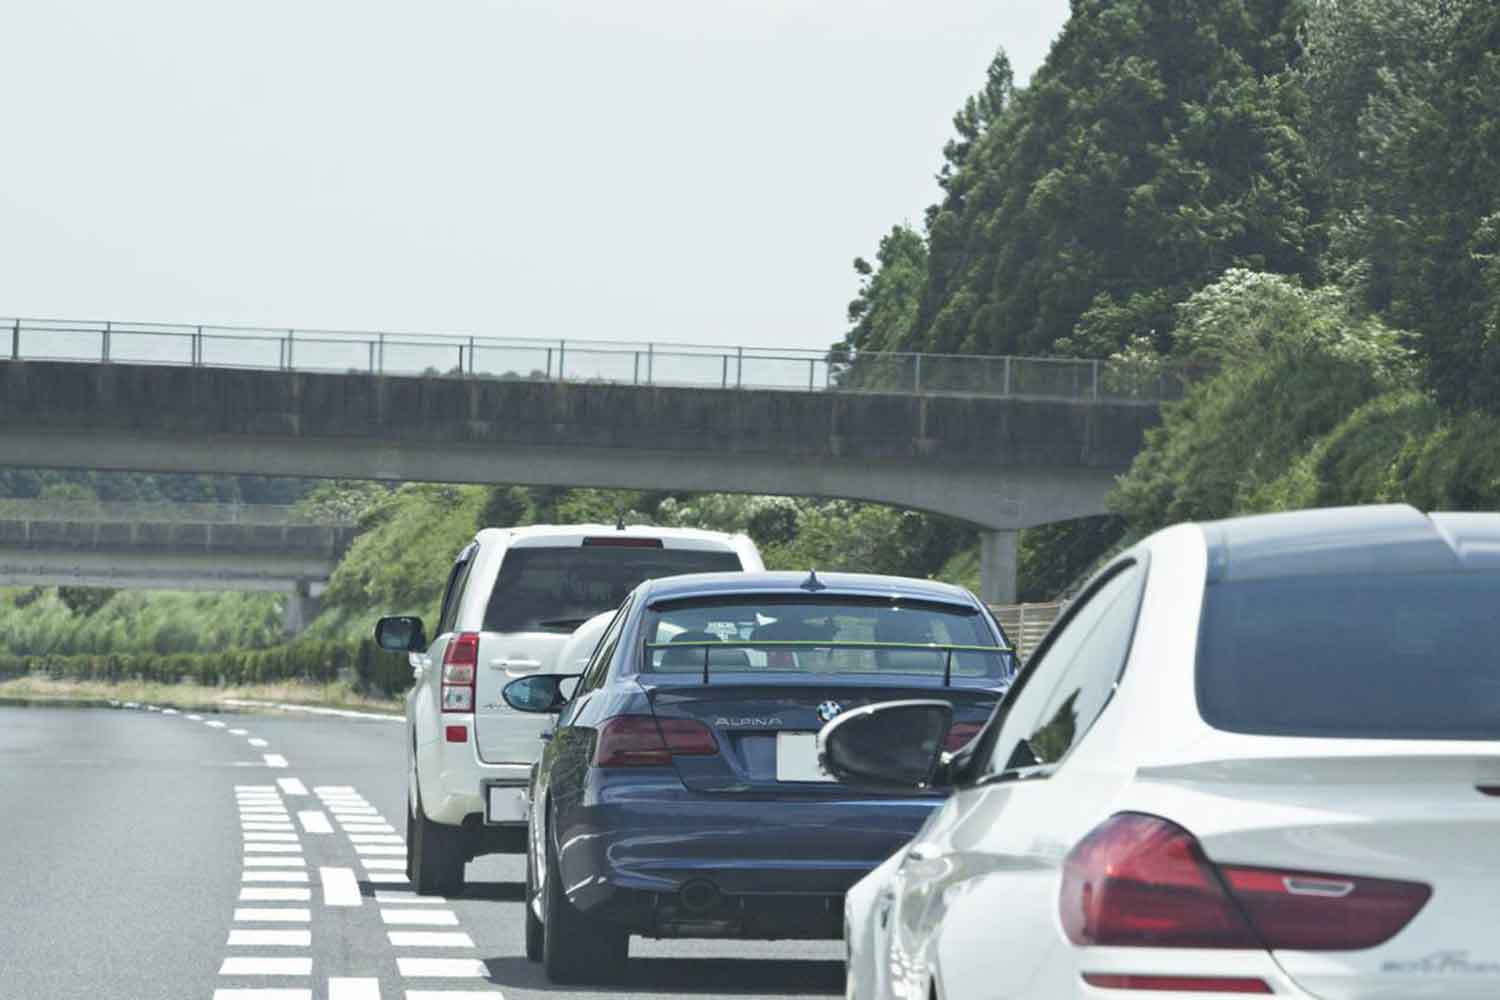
[{"x": 812, "y": 582}]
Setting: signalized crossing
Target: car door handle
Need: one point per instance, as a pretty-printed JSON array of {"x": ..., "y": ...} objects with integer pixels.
[
  {"x": 514, "y": 666},
  {"x": 545, "y": 734}
]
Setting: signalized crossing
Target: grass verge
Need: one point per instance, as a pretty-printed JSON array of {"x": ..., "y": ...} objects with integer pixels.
[{"x": 44, "y": 688}]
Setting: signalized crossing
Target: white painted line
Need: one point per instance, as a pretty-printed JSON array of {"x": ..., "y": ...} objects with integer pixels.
[
  {"x": 444, "y": 968},
  {"x": 260, "y": 815},
  {"x": 262, "y": 848},
  {"x": 262, "y": 808},
  {"x": 214, "y": 725},
  {"x": 260, "y": 894},
  {"x": 427, "y": 918},
  {"x": 340, "y": 888},
  {"x": 287, "y": 707},
  {"x": 274, "y": 760},
  {"x": 268, "y": 915},
  {"x": 405, "y": 898},
  {"x": 272, "y": 861},
  {"x": 454, "y": 995},
  {"x": 277, "y": 837},
  {"x": 262, "y": 994},
  {"x": 320, "y": 789},
  {"x": 353, "y": 989},
  {"x": 386, "y": 849},
  {"x": 235, "y": 966},
  {"x": 375, "y": 838},
  {"x": 384, "y": 864},
  {"x": 169, "y": 711},
  {"x": 314, "y": 821},
  {"x": 195, "y": 718},
  {"x": 240, "y": 938},
  {"x": 392, "y": 878},
  {"x": 267, "y": 827},
  {"x": 257, "y": 742},
  {"x": 260, "y": 875},
  {"x": 292, "y": 786},
  {"x": 354, "y": 828},
  {"x": 429, "y": 939},
  {"x": 350, "y": 812},
  {"x": 255, "y": 788},
  {"x": 236, "y": 732}
]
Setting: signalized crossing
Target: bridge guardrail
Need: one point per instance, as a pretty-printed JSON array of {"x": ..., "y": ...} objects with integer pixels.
[
  {"x": 132, "y": 512},
  {"x": 628, "y": 363}
]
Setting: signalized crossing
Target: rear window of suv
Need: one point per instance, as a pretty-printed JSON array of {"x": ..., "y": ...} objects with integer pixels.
[
  {"x": 1413, "y": 656},
  {"x": 557, "y": 588}
]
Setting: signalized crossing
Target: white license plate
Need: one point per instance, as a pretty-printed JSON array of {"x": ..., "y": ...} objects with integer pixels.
[
  {"x": 797, "y": 758},
  {"x": 506, "y": 804}
]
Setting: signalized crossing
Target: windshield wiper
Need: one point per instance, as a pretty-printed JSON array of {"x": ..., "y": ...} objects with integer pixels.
[{"x": 561, "y": 622}]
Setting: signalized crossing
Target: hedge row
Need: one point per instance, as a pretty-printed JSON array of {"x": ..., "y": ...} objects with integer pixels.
[{"x": 308, "y": 660}]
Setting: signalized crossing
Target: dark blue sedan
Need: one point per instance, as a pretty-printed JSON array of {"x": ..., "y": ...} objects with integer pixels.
[{"x": 680, "y": 795}]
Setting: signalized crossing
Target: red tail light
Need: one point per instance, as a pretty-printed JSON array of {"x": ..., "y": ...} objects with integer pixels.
[
  {"x": 1142, "y": 881},
  {"x": 960, "y": 735},
  {"x": 1176, "y": 984},
  {"x": 460, "y": 664},
  {"x": 645, "y": 741}
]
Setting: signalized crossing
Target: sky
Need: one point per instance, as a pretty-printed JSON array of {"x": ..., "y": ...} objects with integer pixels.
[{"x": 699, "y": 171}]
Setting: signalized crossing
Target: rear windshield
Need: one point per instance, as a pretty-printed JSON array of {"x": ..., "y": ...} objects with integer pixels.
[
  {"x": 557, "y": 589},
  {"x": 1380, "y": 657},
  {"x": 821, "y": 637}
]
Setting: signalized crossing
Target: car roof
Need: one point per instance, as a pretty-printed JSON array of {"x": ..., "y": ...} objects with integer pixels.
[
  {"x": 629, "y": 530},
  {"x": 863, "y": 585},
  {"x": 1393, "y": 538}
]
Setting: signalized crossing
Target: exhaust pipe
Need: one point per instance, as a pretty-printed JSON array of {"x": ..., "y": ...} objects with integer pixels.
[{"x": 699, "y": 896}]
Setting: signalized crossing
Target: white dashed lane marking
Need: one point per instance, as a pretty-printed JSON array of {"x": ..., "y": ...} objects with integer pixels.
[
  {"x": 384, "y": 864},
  {"x": 442, "y": 968},
  {"x": 263, "y": 994},
  {"x": 340, "y": 888},
  {"x": 314, "y": 821},
  {"x": 430, "y": 918},
  {"x": 454, "y": 995},
  {"x": 242, "y": 966},
  {"x": 236, "y": 732},
  {"x": 273, "y": 759},
  {"x": 258, "y": 836},
  {"x": 260, "y": 875},
  {"x": 259, "y": 894},
  {"x": 272, "y": 861},
  {"x": 291, "y": 786},
  {"x": 430, "y": 939},
  {"x": 375, "y": 838},
  {"x": 241, "y": 938},
  {"x": 274, "y": 848},
  {"x": 380, "y": 849},
  {"x": 389, "y": 896},
  {"x": 272, "y": 915},
  {"x": 362, "y": 988},
  {"x": 257, "y": 742}
]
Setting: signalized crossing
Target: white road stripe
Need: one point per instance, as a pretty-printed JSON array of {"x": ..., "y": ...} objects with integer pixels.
[
  {"x": 262, "y": 894},
  {"x": 442, "y": 968},
  {"x": 272, "y": 861},
  {"x": 236, "y": 732},
  {"x": 215, "y": 725},
  {"x": 353, "y": 989},
  {"x": 292, "y": 786},
  {"x": 257, "y": 742},
  {"x": 238, "y": 966},
  {"x": 279, "y": 837},
  {"x": 368, "y": 828},
  {"x": 195, "y": 718},
  {"x": 314, "y": 821},
  {"x": 261, "y": 875},
  {"x": 169, "y": 711},
  {"x": 272, "y": 915},
  {"x": 274, "y": 760},
  {"x": 267, "y": 827},
  {"x": 384, "y": 864},
  {"x": 263, "y": 994},
  {"x": 375, "y": 838},
  {"x": 240, "y": 938},
  {"x": 384, "y": 878},
  {"x": 273, "y": 848},
  {"x": 454, "y": 995},
  {"x": 255, "y": 788},
  {"x": 405, "y": 898},
  {"x": 426, "y": 918},
  {"x": 430, "y": 939},
  {"x": 386, "y": 849},
  {"x": 340, "y": 887},
  {"x": 320, "y": 789}
]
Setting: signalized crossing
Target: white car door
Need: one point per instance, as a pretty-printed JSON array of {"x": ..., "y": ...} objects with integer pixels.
[{"x": 972, "y": 903}]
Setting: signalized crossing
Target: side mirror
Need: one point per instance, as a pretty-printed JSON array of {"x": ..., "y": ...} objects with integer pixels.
[
  {"x": 540, "y": 693},
  {"x": 896, "y": 745},
  {"x": 400, "y": 634}
]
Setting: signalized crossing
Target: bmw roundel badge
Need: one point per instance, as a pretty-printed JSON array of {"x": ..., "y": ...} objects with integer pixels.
[{"x": 828, "y": 710}]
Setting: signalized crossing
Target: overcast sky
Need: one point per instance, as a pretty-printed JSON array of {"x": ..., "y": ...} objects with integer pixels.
[{"x": 689, "y": 170}]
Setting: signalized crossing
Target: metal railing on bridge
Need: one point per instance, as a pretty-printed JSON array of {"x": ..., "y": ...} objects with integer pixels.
[
  {"x": 166, "y": 512},
  {"x": 629, "y": 363}
]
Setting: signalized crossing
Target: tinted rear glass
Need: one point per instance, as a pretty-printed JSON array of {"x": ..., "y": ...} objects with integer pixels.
[
  {"x": 558, "y": 589},
  {"x": 782, "y": 635},
  {"x": 1379, "y": 657}
]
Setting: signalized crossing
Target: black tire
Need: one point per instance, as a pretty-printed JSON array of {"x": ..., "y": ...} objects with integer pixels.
[
  {"x": 575, "y": 948},
  {"x": 535, "y": 929},
  {"x": 434, "y": 855}
]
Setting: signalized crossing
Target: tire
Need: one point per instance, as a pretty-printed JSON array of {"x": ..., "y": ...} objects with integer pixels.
[
  {"x": 575, "y": 948},
  {"x": 535, "y": 929},
  {"x": 434, "y": 855}
]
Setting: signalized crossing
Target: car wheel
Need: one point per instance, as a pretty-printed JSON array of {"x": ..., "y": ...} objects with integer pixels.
[
  {"x": 535, "y": 929},
  {"x": 575, "y": 948},
  {"x": 434, "y": 855}
]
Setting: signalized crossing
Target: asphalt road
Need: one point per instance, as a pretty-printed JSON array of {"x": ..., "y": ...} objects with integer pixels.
[{"x": 134, "y": 845}]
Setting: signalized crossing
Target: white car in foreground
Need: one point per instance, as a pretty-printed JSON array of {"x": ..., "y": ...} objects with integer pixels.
[
  {"x": 1258, "y": 756},
  {"x": 513, "y": 600}
]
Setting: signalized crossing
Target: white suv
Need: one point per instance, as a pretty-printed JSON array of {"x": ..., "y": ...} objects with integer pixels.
[{"x": 513, "y": 600}]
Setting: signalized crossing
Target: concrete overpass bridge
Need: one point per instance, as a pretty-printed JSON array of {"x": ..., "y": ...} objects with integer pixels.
[
  {"x": 172, "y": 546},
  {"x": 1003, "y": 443}
]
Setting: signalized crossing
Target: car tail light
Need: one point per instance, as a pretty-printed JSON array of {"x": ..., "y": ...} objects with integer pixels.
[
  {"x": 1143, "y": 881},
  {"x": 960, "y": 735},
  {"x": 460, "y": 663},
  {"x": 1178, "y": 984},
  {"x": 621, "y": 542},
  {"x": 645, "y": 741}
]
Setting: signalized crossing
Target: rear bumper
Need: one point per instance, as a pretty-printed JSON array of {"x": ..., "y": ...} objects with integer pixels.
[
  {"x": 756, "y": 867},
  {"x": 453, "y": 779}
]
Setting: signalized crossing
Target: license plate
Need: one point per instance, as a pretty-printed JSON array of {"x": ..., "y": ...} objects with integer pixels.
[
  {"x": 506, "y": 804},
  {"x": 797, "y": 758}
]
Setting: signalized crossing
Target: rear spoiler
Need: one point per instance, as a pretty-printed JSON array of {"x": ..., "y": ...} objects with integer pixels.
[{"x": 708, "y": 646}]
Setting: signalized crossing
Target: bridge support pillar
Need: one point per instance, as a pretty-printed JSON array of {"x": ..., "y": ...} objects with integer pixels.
[
  {"x": 301, "y": 609},
  {"x": 997, "y": 566}
]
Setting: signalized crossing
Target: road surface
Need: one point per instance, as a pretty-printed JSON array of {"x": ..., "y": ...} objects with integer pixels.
[{"x": 147, "y": 854}]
